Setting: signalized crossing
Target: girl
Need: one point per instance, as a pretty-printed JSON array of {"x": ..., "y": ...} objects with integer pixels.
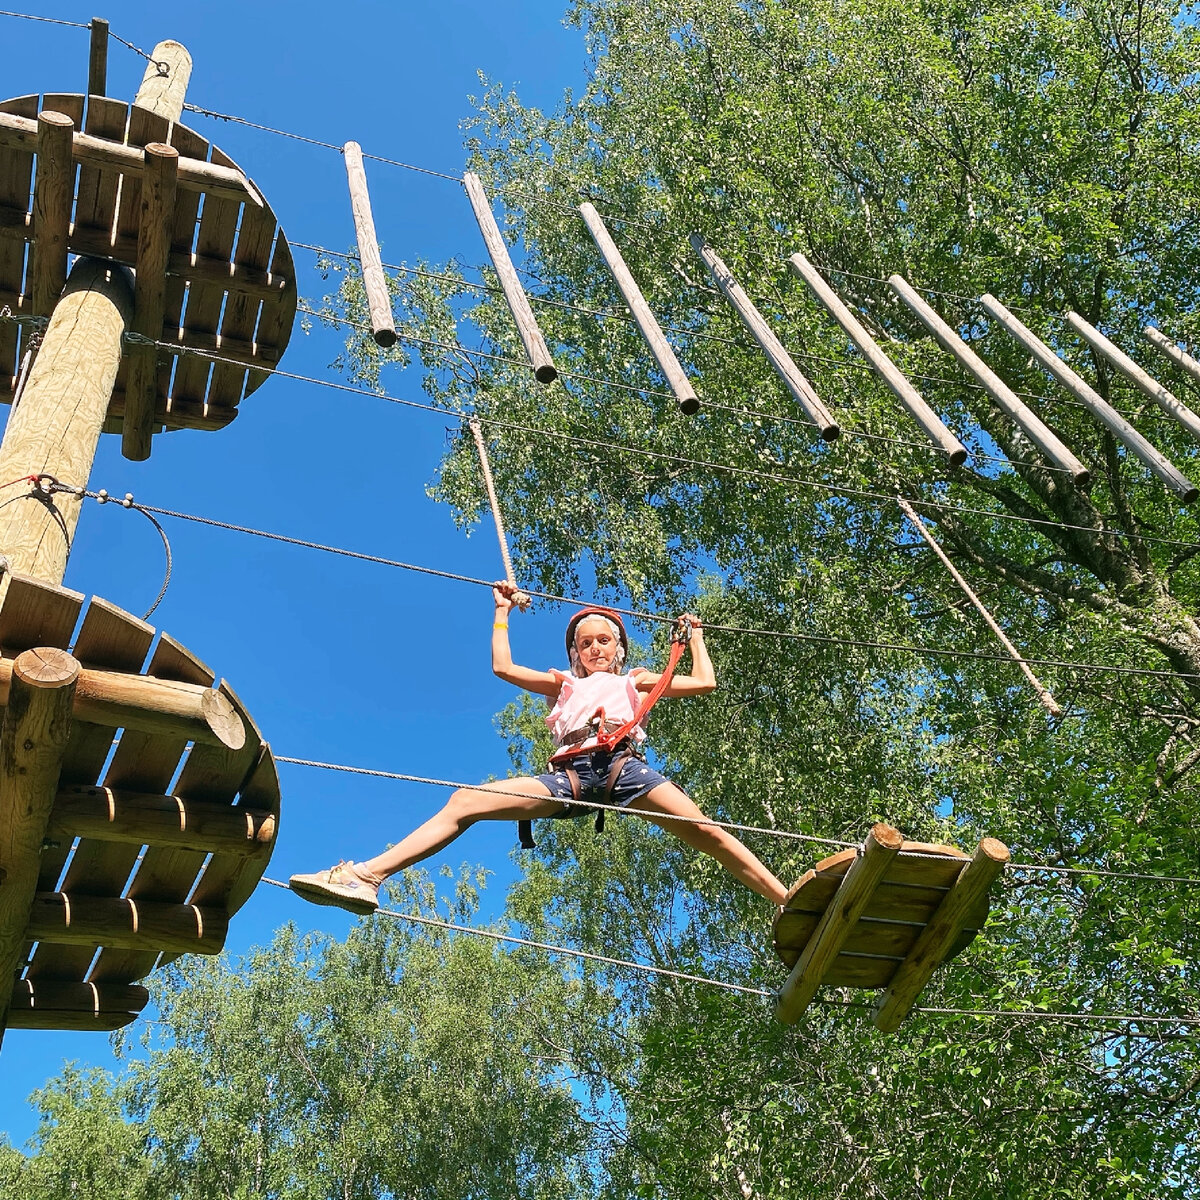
[{"x": 581, "y": 769}]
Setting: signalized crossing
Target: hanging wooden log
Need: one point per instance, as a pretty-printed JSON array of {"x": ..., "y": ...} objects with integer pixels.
[
  {"x": 20, "y": 133},
  {"x": 379, "y": 300},
  {"x": 141, "y": 819},
  {"x": 675, "y": 376},
  {"x": 518, "y": 303},
  {"x": 881, "y": 846},
  {"x": 1047, "y": 700},
  {"x": 1145, "y": 383},
  {"x": 98, "y": 57},
  {"x": 34, "y": 733},
  {"x": 1160, "y": 341},
  {"x": 53, "y": 196},
  {"x": 1005, "y": 398},
  {"x": 1108, "y": 416},
  {"x": 803, "y": 391},
  {"x": 197, "y": 714},
  {"x": 945, "y": 927},
  {"x": 149, "y": 297},
  {"x": 935, "y": 429},
  {"x": 56, "y": 1004},
  {"x": 126, "y": 924}
]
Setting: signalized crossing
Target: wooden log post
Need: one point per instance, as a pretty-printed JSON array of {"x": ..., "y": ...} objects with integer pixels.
[
  {"x": 57, "y": 1004},
  {"x": 98, "y": 57},
  {"x": 53, "y": 196},
  {"x": 1108, "y": 416},
  {"x": 140, "y": 819},
  {"x": 379, "y": 300},
  {"x": 935, "y": 429},
  {"x": 126, "y": 924},
  {"x": 881, "y": 846},
  {"x": 1161, "y": 342},
  {"x": 674, "y": 374},
  {"x": 544, "y": 370},
  {"x": 1004, "y": 397},
  {"x": 164, "y": 84},
  {"x": 33, "y": 739},
  {"x": 155, "y": 226},
  {"x": 150, "y": 705},
  {"x": 1142, "y": 380},
  {"x": 939, "y": 934},
  {"x": 57, "y": 425},
  {"x": 781, "y": 361}
]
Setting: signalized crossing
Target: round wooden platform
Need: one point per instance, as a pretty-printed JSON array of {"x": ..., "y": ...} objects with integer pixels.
[
  {"x": 913, "y": 886},
  {"x": 230, "y": 287},
  {"x": 153, "y": 842}
]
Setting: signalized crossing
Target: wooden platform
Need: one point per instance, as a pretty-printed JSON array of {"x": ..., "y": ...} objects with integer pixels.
[
  {"x": 230, "y": 284},
  {"x": 883, "y": 916},
  {"x": 153, "y": 841}
]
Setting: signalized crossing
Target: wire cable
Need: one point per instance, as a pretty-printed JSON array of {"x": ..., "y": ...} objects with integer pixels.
[{"x": 1155, "y": 1019}]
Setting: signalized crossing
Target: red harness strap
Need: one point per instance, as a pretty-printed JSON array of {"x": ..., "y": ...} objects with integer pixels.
[{"x": 680, "y": 637}]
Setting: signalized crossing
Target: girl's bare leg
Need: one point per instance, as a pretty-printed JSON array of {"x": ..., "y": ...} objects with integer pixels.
[
  {"x": 739, "y": 861},
  {"x": 488, "y": 802}
]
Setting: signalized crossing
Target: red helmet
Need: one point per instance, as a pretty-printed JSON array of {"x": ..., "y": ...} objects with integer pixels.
[{"x": 594, "y": 611}]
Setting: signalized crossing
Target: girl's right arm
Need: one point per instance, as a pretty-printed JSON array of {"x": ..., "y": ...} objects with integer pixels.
[{"x": 545, "y": 683}]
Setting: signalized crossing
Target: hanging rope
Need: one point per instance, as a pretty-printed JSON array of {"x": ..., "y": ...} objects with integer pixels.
[
  {"x": 1047, "y": 700},
  {"x": 521, "y": 599}
]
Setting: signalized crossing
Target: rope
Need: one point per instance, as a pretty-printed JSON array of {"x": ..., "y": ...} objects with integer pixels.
[
  {"x": 164, "y": 68},
  {"x": 1047, "y": 700},
  {"x": 786, "y": 834},
  {"x": 519, "y": 598},
  {"x": 744, "y": 989},
  {"x": 48, "y": 20}
]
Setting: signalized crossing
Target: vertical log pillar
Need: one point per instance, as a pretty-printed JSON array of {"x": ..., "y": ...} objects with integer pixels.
[
  {"x": 53, "y": 194},
  {"x": 33, "y": 739},
  {"x": 162, "y": 92},
  {"x": 98, "y": 58}
]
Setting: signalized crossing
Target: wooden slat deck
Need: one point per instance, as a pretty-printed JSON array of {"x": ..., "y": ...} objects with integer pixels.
[
  {"x": 231, "y": 288},
  {"x": 912, "y": 888},
  {"x": 71, "y": 983}
]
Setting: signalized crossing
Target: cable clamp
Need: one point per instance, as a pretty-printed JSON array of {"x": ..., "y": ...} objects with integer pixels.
[{"x": 682, "y": 633}]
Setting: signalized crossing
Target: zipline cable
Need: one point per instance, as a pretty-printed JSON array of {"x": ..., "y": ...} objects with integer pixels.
[{"x": 1155, "y": 1019}]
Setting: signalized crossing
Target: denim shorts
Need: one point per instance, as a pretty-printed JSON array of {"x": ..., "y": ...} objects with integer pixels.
[{"x": 636, "y": 779}]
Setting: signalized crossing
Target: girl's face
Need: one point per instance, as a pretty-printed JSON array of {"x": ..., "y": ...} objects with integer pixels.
[{"x": 596, "y": 644}]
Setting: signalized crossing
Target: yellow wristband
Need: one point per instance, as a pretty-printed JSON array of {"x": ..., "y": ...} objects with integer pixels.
[{"x": 499, "y": 625}]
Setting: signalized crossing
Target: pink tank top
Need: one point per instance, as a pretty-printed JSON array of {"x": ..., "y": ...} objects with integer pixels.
[{"x": 579, "y": 699}]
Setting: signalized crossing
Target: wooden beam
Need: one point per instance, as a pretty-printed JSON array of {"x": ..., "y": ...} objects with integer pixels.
[
  {"x": 881, "y": 846},
  {"x": 164, "y": 84},
  {"x": 33, "y": 739},
  {"x": 1161, "y": 342},
  {"x": 544, "y": 370},
  {"x": 804, "y": 393},
  {"x": 379, "y": 299},
  {"x": 136, "y": 818},
  {"x": 57, "y": 425},
  {"x": 1143, "y": 380},
  {"x": 940, "y": 934},
  {"x": 668, "y": 363},
  {"x": 1004, "y": 397},
  {"x": 124, "y": 924},
  {"x": 149, "y": 705},
  {"x": 98, "y": 57},
  {"x": 58, "y": 1004},
  {"x": 196, "y": 175},
  {"x": 1108, "y": 416},
  {"x": 150, "y": 290},
  {"x": 935, "y": 429},
  {"x": 53, "y": 196}
]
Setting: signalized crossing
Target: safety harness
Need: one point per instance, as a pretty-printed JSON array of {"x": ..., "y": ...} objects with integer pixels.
[{"x": 612, "y": 737}]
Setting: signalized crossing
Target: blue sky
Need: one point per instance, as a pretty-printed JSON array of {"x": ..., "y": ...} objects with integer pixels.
[{"x": 337, "y": 660}]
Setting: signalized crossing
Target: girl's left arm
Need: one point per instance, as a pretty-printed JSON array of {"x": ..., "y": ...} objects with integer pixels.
[{"x": 702, "y": 678}]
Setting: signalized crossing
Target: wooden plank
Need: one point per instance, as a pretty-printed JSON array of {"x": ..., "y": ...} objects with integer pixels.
[
  {"x": 278, "y": 314},
  {"x": 96, "y": 198},
  {"x": 35, "y": 613},
  {"x": 16, "y": 174},
  {"x": 945, "y": 927},
  {"x": 112, "y": 639},
  {"x": 827, "y": 942}
]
